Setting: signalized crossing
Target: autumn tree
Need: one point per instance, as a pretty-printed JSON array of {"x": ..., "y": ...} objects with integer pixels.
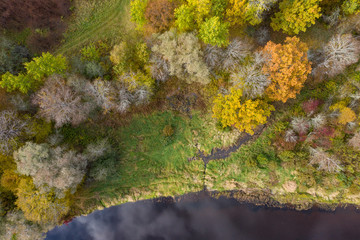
[
  {"x": 185, "y": 18},
  {"x": 296, "y": 15},
  {"x": 40, "y": 207},
  {"x": 58, "y": 102},
  {"x": 214, "y": 32},
  {"x": 184, "y": 55},
  {"x": 287, "y": 67},
  {"x": 346, "y": 115},
  {"x": 243, "y": 115},
  {"x": 355, "y": 141},
  {"x": 160, "y": 14},
  {"x": 36, "y": 71}
]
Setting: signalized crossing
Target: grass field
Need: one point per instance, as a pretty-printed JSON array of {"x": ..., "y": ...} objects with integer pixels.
[
  {"x": 150, "y": 164},
  {"x": 95, "y": 20}
]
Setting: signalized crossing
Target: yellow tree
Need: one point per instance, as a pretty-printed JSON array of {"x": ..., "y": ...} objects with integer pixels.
[
  {"x": 235, "y": 13},
  {"x": 296, "y": 15},
  {"x": 245, "y": 116},
  {"x": 287, "y": 67},
  {"x": 40, "y": 207}
]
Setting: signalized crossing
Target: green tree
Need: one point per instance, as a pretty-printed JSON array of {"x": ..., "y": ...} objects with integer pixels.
[
  {"x": 36, "y": 71},
  {"x": 137, "y": 12},
  {"x": 296, "y": 15},
  {"x": 185, "y": 18},
  {"x": 214, "y": 32}
]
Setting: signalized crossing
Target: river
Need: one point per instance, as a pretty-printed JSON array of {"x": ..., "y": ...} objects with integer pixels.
[{"x": 209, "y": 219}]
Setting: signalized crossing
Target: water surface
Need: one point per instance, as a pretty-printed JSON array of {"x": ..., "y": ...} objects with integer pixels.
[{"x": 209, "y": 219}]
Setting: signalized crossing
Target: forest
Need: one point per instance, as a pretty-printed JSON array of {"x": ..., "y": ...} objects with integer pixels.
[{"x": 104, "y": 102}]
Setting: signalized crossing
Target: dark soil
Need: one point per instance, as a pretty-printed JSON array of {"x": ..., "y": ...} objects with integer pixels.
[{"x": 46, "y": 15}]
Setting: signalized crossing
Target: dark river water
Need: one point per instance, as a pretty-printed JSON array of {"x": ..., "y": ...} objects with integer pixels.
[{"x": 209, "y": 219}]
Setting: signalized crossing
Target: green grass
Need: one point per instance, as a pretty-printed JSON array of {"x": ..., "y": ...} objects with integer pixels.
[
  {"x": 101, "y": 20},
  {"x": 149, "y": 164}
]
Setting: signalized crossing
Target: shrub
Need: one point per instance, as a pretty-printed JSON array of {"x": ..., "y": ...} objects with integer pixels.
[
  {"x": 12, "y": 56},
  {"x": 90, "y": 53},
  {"x": 244, "y": 116},
  {"x": 288, "y": 68},
  {"x": 93, "y": 70},
  {"x": 310, "y": 106},
  {"x": 296, "y": 15},
  {"x": 58, "y": 102}
]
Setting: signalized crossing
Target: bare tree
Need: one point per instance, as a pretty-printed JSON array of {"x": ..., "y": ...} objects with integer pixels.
[
  {"x": 159, "y": 69},
  {"x": 58, "y": 102},
  {"x": 300, "y": 125},
  {"x": 250, "y": 77},
  {"x": 103, "y": 93},
  {"x": 340, "y": 52},
  {"x": 318, "y": 121},
  {"x": 325, "y": 162},
  {"x": 11, "y": 127},
  {"x": 212, "y": 56},
  {"x": 234, "y": 53},
  {"x": 290, "y": 136}
]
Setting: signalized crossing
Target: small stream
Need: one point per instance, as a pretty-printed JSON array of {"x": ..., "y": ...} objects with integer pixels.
[{"x": 207, "y": 218}]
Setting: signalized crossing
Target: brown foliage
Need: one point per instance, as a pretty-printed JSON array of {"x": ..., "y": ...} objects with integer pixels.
[{"x": 160, "y": 14}]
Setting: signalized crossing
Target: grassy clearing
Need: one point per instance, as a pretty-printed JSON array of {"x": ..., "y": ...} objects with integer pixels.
[
  {"x": 149, "y": 164},
  {"x": 95, "y": 20}
]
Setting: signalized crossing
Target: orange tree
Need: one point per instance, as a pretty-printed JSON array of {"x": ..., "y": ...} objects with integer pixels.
[
  {"x": 245, "y": 116},
  {"x": 287, "y": 67}
]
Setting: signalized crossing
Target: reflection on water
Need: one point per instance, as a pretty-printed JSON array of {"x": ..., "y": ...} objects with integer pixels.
[{"x": 209, "y": 219}]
